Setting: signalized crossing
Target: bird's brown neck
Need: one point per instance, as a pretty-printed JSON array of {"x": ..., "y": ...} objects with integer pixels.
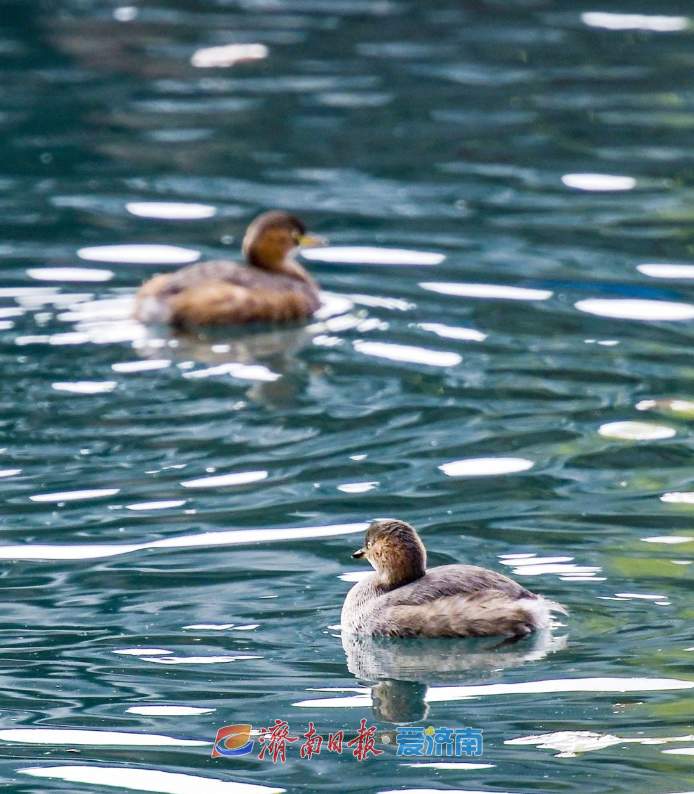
[
  {"x": 278, "y": 262},
  {"x": 292, "y": 269},
  {"x": 400, "y": 571}
]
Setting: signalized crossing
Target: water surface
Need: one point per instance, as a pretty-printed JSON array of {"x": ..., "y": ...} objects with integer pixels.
[{"x": 504, "y": 358}]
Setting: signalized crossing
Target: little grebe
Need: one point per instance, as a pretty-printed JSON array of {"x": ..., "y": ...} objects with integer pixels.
[
  {"x": 403, "y": 599},
  {"x": 273, "y": 287}
]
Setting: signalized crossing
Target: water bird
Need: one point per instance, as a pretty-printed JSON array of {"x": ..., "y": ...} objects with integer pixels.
[
  {"x": 404, "y": 599},
  {"x": 272, "y": 287}
]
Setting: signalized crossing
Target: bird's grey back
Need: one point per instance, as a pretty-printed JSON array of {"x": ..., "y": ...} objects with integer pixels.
[
  {"x": 232, "y": 273},
  {"x": 450, "y": 580}
]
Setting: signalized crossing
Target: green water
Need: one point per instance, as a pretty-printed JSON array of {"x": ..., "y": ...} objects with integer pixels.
[{"x": 537, "y": 158}]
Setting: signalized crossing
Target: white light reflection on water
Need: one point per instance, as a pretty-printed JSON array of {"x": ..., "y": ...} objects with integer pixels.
[
  {"x": 637, "y": 309},
  {"x": 372, "y": 256},
  {"x": 125, "y": 13},
  {"x": 531, "y": 565},
  {"x": 453, "y": 332},
  {"x": 199, "y": 659},
  {"x": 222, "y": 480},
  {"x": 163, "y": 505},
  {"x": 137, "y": 778},
  {"x": 485, "y": 467},
  {"x": 209, "y": 626},
  {"x": 85, "y": 387},
  {"x": 667, "y": 271},
  {"x": 169, "y": 210},
  {"x": 49, "y": 296},
  {"x": 57, "y": 736},
  {"x": 442, "y": 694},
  {"x": 141, "y": 366},
  {"x": 354, "y": 576},
  {"x": 227, "y": 55},
  {"x": 408, "y": 353},
  {"x": 571, "y": 743},
  {"x": 636, "y": 431},
  {"x": 358, "y": 487},
  {"x": 255, "y": 372},
  {"x": 233, "y": 537},
  {"x": 72, "y": 496},
  {"x": 69, "y": 274},
  {"x": 599, "y": 182},
  {"x": 643, "y": 596},
  {"x": 654, "y": 22},
  {"x": 438, "y": 791},
  {"x": 382, "y": 302},
  {"x": 491, "y": 291},
  {"x": 12, "y": 311},
  {"x": 168, "y": 711},
  {"x": 678, "y": 497},
  {"x": 449, "y": 765},
  {"x": 140, "y": 254},
  {"x": 104, "y": 321},
  {"x": 675, "y": 406}
]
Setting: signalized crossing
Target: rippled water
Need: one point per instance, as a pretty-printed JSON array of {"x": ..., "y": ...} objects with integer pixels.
[{"x": 504, "y": 358}]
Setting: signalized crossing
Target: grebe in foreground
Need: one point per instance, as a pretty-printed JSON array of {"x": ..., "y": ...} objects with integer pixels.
[
  {"x": 272, "y": 288},
  {"x": 403, "y": 599}
]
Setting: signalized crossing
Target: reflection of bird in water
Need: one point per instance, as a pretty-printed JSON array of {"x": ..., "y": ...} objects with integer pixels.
[
  {"x": 266, "y": 358},
  {"x": 401, "y": 669},
  {"x": 272, "y": 288},
  {"x": 404, "y": 599}
]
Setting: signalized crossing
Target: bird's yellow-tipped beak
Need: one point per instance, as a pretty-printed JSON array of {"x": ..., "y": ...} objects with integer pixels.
[
  {"x": 311, "y": 241},
  {"x": 359, "y": 554}
]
